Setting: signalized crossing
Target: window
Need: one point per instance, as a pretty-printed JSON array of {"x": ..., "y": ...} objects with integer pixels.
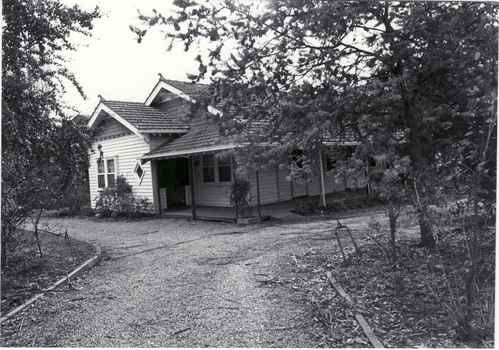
[
  {"x": 298, "y": 158},
  {"x": 208, "y": 168},
  {"x": 349, "y": 151},
  {"x": 340, "y": 154},
  {"x": 106, "y": 172},
  {"x": 139, "y": 172},
  {"x": 224, "y": 172},
  {"x": 216, "y": 170},
  {"x": 330, "y": 163}
]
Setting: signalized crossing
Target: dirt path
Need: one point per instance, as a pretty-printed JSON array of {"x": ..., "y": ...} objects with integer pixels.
[{"x": 178, "y": 283}]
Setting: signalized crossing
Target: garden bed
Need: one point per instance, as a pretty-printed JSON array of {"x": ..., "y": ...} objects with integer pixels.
[
  {"x": 412, "y": 305},
  {"x": 27, "y": 274}
]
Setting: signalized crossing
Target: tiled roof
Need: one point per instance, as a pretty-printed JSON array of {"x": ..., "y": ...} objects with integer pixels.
[
  {"x": 144, "y": 117},
  {"x": 200, "y": 136},
  {"x": 189, "y": 88}
]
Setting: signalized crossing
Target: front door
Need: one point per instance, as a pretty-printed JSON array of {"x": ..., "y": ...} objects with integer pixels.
[{"x": 174, "y": 176}]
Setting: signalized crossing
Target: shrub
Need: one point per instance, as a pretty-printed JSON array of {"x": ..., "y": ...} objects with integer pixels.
[
  {"x": 239, "y": 197},
  {"x": 313, "y": 208},
  {"x": 306, "y": 208},
  {"x": 118, "y": 200}
]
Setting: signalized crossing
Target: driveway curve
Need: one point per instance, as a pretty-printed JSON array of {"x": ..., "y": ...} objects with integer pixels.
[{"x": 179, "y": 283}]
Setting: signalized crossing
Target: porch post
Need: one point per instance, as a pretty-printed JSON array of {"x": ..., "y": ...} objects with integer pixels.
[
  {"x": 323, "y": 187},
  {"x": 155, "y": 174},
  {"x": 191, "y": 179},
  {"x": 236, "y": 205},
  {"x": 258, "y": 195},
  {"x": 277, "y": 182}
]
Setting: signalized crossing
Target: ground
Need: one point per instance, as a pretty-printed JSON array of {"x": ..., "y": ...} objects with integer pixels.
[
  {"x": 180, "y": 283},
  {"x": 27, "y": 273}
]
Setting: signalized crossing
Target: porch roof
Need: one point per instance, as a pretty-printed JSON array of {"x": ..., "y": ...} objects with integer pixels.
[{"x": 202, "y": 137}]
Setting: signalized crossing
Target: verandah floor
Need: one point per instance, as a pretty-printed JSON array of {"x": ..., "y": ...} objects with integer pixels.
[{"x": 228, "y": 214}]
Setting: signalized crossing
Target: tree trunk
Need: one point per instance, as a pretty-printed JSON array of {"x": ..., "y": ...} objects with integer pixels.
[
  {"x": 4, "y": 247},
  {"x": 414, "y": 139},
  {"x": 427, "y": 239},
  {"x": 393, "y": 227}
]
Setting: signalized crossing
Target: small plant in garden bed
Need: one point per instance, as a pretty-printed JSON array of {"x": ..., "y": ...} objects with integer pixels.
[
  {"x": 312, "y": 208},
  {"x": 239, "y": 198}
]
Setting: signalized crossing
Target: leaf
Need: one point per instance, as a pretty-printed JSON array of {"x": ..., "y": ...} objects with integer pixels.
[{"x": 477, "y": 56}]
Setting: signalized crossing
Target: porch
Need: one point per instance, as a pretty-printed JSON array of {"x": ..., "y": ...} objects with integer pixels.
[{"x": 278, "y": 210}]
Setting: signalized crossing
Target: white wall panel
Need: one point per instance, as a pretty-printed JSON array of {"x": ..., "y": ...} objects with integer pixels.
[{"x": 128, "y": 149}]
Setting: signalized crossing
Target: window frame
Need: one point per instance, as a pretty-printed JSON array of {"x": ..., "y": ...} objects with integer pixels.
[
  {"x": 137, "y": 177},
  {"x": 106, "y": 173},
  {"x": 216, "y": 170}
]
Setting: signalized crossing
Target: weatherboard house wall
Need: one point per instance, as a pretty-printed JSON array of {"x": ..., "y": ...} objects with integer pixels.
[
  {"x": 172, "y": 151},
  {"x": 124, "y": 132},
  {"x": 126, "y": 150}
]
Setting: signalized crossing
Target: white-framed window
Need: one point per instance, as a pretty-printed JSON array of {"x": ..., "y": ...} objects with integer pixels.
[
  {"x": 139, "y": 172},
  {"x": 216, "y": 170},
  {"x": 107, "y": 170}
]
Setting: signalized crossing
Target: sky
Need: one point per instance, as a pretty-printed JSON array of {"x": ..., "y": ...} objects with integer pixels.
[{"x": 112, "y": 64}]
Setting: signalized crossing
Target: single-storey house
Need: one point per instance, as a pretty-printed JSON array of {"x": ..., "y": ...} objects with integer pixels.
[{"x": 171, "y": 159}]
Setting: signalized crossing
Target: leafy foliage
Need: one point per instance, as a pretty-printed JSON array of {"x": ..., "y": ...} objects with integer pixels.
[
  {"x": 239, "y": 197},
  {"x": 415, "y": 83},
  {"x": 43, "y": 152},
  {"x": 403, "y": 79},
  {"x": 118, "y": 200}
]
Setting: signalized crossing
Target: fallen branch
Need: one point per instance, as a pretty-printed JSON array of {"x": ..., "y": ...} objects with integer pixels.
[
  {"x": 360, "y": 319},
  {"x": 181, "y": 331},
  {"x": 146, "y": 233}
]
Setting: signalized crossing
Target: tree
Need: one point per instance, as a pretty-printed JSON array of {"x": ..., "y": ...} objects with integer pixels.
[
  {"x": 42, "y": 150},
  {"x": 405, "y": 78}
]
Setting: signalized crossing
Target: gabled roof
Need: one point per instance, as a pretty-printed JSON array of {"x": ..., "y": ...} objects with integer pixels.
[
  {"x": 81, "y": 119},
  {"x": 202, "y": 137},
  {"x": 186, "y": 90},
  {"x": 137, "y": 117},
  {"x": 145, "y": 118},
  {"x": 189, "y": 88}
]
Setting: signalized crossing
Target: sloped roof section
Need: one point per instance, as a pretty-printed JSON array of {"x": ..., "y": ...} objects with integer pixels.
[
  {"x": 188, "y": 88},
  {"x": 145, "y": 118},
  {"x": 203, "y": 136}
]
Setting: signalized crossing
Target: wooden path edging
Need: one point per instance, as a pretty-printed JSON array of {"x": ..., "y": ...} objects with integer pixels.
[
  {"x": 360, "y": 319},
  {"x": 87, "y": 265}
]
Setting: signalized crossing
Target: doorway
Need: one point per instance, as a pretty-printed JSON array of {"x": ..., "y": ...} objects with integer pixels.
[{"x": 173, "y": 177}]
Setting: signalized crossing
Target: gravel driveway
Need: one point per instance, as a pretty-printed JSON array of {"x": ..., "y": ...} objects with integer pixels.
[{"x": 180, "y": 283}]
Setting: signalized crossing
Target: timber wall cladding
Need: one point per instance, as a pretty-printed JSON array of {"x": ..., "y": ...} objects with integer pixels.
[
  {"x": 155, "y": 141},
  {"x": 314, "y": 186},
  {"x": 284, "y": 187},
  {"x": 212, "y": 195},
  {"x": 128, "y": 149},
  {"x": 274, "y": 187},
  {"x": 112, "y": 128},
  {"x": 177, "y": 107},
  {"x": 268, "y": 187}
]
